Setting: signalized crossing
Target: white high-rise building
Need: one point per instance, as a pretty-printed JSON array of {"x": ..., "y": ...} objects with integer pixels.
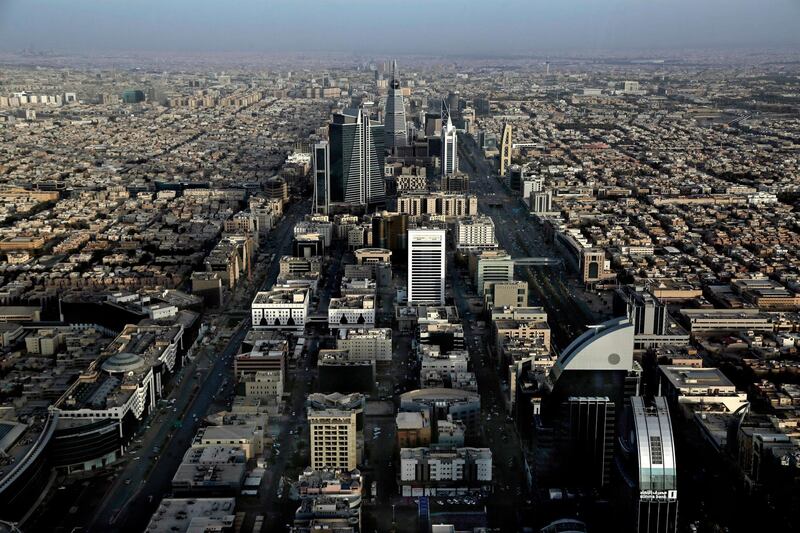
[
  {"x": 426, "y": 266},
  {"x": 449, "y": 148},
  {"x": 475, "y": 233},
  {"x": 542, "y": 202}
]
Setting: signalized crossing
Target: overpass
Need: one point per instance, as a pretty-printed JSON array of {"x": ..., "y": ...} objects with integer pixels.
[
  {"x": 528, "y": 145},
  {"x": 538, "y": 261}
]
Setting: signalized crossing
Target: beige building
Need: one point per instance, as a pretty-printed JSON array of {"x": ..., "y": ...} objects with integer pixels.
[
  {"x": 333, "y": 439},
  {"x": 264, "y": 385},
  {"x": 248, "y": 437},
  {"x": 336, "y": 429},
  {"x": 438, "y": 203},
  {"x": 413, "y": 429},
  {"x": 505, "y": 294},
  {"x": 516, "y": 329},
  {"x": 366, "y": 344},
  {"x": 368, "y": 256}
]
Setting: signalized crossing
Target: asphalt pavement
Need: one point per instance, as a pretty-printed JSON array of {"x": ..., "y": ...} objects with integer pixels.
[{"x": 130, "y": 501}]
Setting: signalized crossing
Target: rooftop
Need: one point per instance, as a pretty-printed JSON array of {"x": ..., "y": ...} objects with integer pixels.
[{"x": 192, "y": 515}]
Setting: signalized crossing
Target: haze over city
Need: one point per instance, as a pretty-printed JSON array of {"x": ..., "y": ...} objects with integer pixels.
[
  {"x": 354, "y": 266},
  {"x": 442, "y": 27}
]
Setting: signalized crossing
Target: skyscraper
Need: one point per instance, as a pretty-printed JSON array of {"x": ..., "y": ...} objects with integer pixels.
[
  {"x": 426, "y": 266},
  {"x": 395, "y": 113},
  {"x": 588, "y": 436},
  {"x": 505, "y": 150},
  {"x": 449, "y": 148},
  {"x": 587, "y": 385},
  {"x": 348, "y": 169},
  {"x": 321, "y": 177},
  {"x": 647, "y": 466}
]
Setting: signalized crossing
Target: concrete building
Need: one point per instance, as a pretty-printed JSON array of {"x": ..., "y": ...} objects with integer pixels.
[
  {"x": 475, "y": 233},
  {"x": 505, "y": 294},
  {"x": 102, "y": 409},
  {"x": 437, "y": 203},
  {"x": 291, "y": 266},
  {"x": 368, "y": 256},
  {"x": 266, "y": 385},
  {"x": 266, "y": 355},
  {"x": 189, "y": 515},
  {"x": 212, "y": 470},
  {"x": 336, "y": 426},
  {"x": 247, "y": 437},
  {"x": 689, "y": 389},
  {"x": 426, "y": 266},
  {"x": 366, "y": 344},
  {"x": 443, "y": 472},
  {"x": 413, "y": 429},
  {"x": 276, "y": 188},
  {"x": 352, "y": 311},
  {"x": 541, "y": 202},
  {"x": 491, "y": 265},
  {"x": 280, "y": 308},
  {"x": 508, "y": 329},
  {"x": 446, "y": 404},
  {"x": 710, "y": 321}
]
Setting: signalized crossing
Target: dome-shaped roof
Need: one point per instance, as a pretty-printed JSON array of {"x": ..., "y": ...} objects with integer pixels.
[{"x": 122, "y": 362}]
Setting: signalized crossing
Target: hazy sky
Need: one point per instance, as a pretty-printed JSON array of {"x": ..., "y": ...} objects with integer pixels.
[{"x": 401, "y": 26}]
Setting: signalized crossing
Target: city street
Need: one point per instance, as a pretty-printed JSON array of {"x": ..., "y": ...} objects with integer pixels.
[
  {"x": 124, "y": 495},
  {"x": 520, "y": 236}
]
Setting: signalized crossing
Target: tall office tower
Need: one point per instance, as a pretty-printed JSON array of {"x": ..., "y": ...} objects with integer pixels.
[
  {"x": 426, "y": 266},
  {"x": 505, "y": 150},
  {"x": 449, "y": 148},
  {"x": 355, "y": 161},
  {"x": 390, "y": 230},
  {"x": 336, "y": 426},
  {"x": 321, "y": 177},
  {"x": 647, "y": 466},
  {"x": 395, "y": 113},
  {"x": 453, "y": 105},
  {"x": 588, "y": 435},
  {"x": 598, "y": 364}
]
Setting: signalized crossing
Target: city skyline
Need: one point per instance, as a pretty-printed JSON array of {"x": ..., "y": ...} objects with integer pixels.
[{"x": 435, "y": 278}]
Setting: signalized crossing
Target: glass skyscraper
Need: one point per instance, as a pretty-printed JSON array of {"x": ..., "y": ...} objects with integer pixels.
[
  {"x": 395, "y": 113},
  {"x": 348, "y": 169}
]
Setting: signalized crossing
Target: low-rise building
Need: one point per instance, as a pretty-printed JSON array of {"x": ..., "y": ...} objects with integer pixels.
[
  {"x": 189, "y": 515},
  {"x": 248, "y": 437},
  {"x": 366, "y": 344},
  {"x": 443, "y": 472},
  {"x": 352, "y": 311},
  {"x": 280, "y": 308},
  {"x": 212, "y": 470}
]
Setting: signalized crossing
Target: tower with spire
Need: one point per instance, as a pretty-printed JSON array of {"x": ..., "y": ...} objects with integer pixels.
[{"x": 395, "y": 121}]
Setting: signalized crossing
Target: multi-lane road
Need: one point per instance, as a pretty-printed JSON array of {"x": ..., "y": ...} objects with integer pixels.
[
  {"x": 131, "y": 497},
  {"x": 520, "y": 236}
]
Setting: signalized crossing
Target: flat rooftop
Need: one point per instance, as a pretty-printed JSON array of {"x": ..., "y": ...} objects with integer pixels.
[
  {"x": 688, "y": 378},
  {"x": 281, "y": 296},
  {"x": 193, "y": 515}
]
